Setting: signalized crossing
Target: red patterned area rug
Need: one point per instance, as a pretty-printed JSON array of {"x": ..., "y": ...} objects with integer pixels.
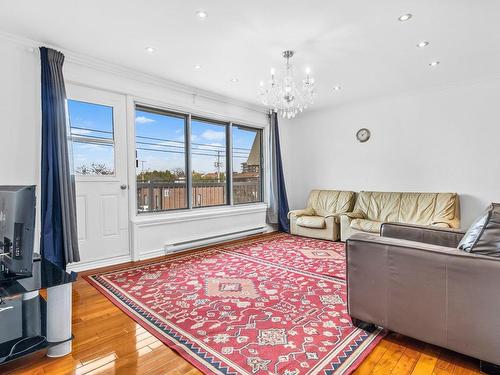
[
  {"x": 302, "y": 253},
  {"x": 230, "y": 312}
]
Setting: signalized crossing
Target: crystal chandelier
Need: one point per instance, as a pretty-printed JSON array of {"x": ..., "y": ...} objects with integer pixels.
[{"x": 284, "y": 94}]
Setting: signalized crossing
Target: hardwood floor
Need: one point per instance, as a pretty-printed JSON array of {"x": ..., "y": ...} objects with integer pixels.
[{"x": 108, "y": 342}]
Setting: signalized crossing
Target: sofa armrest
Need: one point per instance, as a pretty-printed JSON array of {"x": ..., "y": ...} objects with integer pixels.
[
  {"x": 345, "y": 223},
  {"x": 335, "y": 216},
  {"x": 420, "y": 233},
  {"x": 440, "y": 224},
  {"x": 305, "y": 212},
  {"x": 354, "y": 215}
]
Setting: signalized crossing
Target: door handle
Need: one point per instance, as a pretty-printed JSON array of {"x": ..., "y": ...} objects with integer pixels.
[{"x": 123, "y": 187}]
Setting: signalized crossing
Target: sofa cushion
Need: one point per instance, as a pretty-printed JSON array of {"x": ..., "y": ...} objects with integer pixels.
[
  {"x": 317, "y": 222},
  {"x": 325, "y": 202},
  {"x": 483, "y": 236},
  {"x": 413, "y": 208},
  {"x": 366, "y": 225}
]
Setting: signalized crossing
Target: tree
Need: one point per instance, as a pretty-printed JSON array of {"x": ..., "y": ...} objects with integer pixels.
[
  {"x": 178, "y": 172},
  {"x": 94, "y": 169},
  {"x": 156, "y": 176}
]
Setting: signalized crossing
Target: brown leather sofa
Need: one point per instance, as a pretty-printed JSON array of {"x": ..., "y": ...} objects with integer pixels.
[
  {"x": 373, "y": 208},
  {"x": 414, "y": 281},
  {"x": 321, "y": 217}
]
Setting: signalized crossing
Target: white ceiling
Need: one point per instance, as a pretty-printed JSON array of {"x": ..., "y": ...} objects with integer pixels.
[{"x": 358, "y": 44}]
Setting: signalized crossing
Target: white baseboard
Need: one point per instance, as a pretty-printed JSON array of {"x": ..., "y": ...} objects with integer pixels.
[
  {"x": 168, "y": 249},
  {"x": 98, "y": 263},
  {"x": 271, "y": 228},
  {"x": 153, "y": 254}
]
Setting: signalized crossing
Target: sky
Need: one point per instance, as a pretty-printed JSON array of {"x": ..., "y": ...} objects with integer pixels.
[
  {"x": 159, "y": 140},
  {"x": 93, "y": 121}
]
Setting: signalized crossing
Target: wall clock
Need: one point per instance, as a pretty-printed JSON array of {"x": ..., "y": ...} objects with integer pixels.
[{"x": 363, "y": 135}]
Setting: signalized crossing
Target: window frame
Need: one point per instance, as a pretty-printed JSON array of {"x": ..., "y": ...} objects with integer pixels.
[
  {"x": 190, "y": 116},
  {"x": 226, "y": 131},
  {"x": 164, "y": 112},
  {"x": 261, "y": 159}
]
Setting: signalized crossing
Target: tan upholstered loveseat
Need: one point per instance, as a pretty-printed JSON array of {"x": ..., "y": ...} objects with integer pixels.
[
  {"x": 374, "y": 208},
  {"x": 321, "y": 218}
]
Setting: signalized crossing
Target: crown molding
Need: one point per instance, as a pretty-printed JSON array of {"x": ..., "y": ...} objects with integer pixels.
[{"x": 130, "y": 73}]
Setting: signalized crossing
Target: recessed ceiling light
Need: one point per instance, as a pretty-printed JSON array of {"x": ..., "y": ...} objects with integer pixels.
[
  {"x": 234, "y": 80},
  {"x": 434, "y": 63},
  {"x": 422, "y": 44},
  {"x": 197, "y": 67},
  {"x": 150, "y": 49},
  {"x": 202, "y": 14},
  {"x": 337, "y": 88},
  {"x": 405, "y": 17}
]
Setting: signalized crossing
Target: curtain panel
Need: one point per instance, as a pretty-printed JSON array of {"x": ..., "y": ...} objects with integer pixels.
[
  {"x": 278, "y": 202},
  {"x": 59, "y": 239}
]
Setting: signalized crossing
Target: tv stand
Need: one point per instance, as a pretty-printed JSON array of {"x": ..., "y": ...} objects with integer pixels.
[
  {"x": 9, "y": 277},
  {"x": 34, "y": 322}
]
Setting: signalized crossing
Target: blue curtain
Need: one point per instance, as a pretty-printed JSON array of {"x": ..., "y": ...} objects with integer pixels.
[
  {"x": 278, "y": 204},
  {"x": 59, "y": 241}
]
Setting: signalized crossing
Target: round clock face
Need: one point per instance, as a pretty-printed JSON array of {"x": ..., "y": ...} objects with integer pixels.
[{"x": 363, "y": 135}]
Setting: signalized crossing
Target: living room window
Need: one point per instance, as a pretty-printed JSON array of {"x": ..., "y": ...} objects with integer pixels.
[
  {"x": 160, "y": 139},
  {"x": 247, "y": 164},
  {"x": 184, "y": 161},
  {"x": 209, "y": 163}
]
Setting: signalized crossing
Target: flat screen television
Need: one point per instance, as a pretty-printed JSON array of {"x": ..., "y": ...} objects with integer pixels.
[{"x": 17, "y": 231}]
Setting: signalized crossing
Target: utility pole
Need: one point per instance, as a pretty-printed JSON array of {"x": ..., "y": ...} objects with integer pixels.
[
  {"x": 218, "y": 164},
  {"x": 142, "y": 168}
]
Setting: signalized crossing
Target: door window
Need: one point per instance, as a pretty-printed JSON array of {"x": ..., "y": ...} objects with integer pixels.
[{"x": 92, "y": 138}]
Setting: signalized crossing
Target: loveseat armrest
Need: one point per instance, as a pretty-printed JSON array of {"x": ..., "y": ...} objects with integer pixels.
[
  {"x": 440, "y": 236},
  {"x": 304, "y": 212}
]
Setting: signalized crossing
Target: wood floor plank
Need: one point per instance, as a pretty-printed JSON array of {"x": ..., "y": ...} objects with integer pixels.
[
  {"x": 427, "y": 361},
  {"x": 406, "y": 362},
  {"x": 371, "y": 361},
  {"x": 389, "y": 360}
]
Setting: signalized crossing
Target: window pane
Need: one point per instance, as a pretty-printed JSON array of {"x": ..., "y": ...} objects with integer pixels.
[
  {"x": 161, "y": 161},
  {"x": 92, "y": 159},
  {"x": 92, "y": 135},
  {"x": 91, "y": 120},
  {"x": 247, "y": 156},
  {"x": 209, "y": 163}
]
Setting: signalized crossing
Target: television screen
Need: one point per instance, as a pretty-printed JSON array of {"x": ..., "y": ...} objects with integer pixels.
[{"x": 17, "y": 230}]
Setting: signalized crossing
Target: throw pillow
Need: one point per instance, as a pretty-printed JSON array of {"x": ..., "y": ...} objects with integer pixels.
[{"x": 483, "y": 236}]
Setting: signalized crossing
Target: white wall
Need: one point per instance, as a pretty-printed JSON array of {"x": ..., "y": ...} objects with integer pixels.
[
  {"x": 19, "y": 118},
  {"x": 441, "y": 140},
  {"x": 19, "y": 108},
  {"x": 20, "y": 138}
]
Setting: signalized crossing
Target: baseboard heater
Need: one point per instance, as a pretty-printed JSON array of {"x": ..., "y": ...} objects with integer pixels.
[{"x": 204, "y": 241}]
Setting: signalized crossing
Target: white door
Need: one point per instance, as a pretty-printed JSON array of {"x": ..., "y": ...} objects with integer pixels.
[{"x": 98, "y": 132}]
